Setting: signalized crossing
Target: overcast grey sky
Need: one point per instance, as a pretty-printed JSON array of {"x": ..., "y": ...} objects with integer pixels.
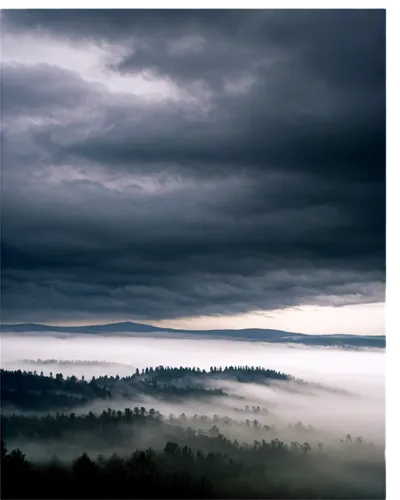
[{"x": 187, "y": 167}]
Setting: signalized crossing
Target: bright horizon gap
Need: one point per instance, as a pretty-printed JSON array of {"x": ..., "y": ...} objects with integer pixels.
[{"x": 359, "y": 319}]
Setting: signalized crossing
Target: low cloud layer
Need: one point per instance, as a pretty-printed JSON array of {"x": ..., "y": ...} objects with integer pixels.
[
  {"x": 160, "y": 165},
  {"x": 352, "y": 399}
]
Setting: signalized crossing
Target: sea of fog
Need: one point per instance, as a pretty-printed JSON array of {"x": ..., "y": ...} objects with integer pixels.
[{"x": 361, "y": 372}]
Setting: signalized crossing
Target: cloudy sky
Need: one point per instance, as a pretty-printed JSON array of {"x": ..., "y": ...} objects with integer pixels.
[{"x": 194, "y": 168}]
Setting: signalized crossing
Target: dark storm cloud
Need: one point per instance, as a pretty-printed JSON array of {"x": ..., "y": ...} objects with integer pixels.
[
  {"x": 42, "y": 89},
  {"x": 259, "y": 185}
]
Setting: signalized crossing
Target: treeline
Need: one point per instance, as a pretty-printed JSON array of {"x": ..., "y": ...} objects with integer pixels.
[
  {"x": 32, "y": 390},
  {"x": 238, "y": 373},
  {"x": 22, "y": 380},
  {"x": 116, "y": 429},
  {"x": 160, "y": 373},
  {"x": 263, "y": 470},
  {"x": 55, "y": 426},
  {"x": 29, "y": 390}
]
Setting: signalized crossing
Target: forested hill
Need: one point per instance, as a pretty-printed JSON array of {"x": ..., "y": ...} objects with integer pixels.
[
  {"x": 29, "y": 390},
  {"x": 251, "y": 334},
  {"x": 266, "y": 469},
  {"x": 123, "y": 450}
]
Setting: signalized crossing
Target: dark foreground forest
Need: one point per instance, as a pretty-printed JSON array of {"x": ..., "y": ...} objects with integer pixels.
[{"x": 55, "y": 446}]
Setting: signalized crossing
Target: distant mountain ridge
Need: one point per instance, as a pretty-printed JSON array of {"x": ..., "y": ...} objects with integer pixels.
[{"x": 251, "y": 334}]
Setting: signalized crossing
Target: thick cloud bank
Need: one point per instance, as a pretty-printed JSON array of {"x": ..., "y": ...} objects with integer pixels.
[{"x": 167, "y": 164}]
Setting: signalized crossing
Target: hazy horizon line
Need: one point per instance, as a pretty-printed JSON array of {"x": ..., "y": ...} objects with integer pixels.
[{"x": 166, "y": 329}]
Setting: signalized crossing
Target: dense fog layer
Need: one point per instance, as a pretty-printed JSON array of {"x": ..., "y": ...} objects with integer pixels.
[
  {"x": 235, "y": 411},
  {"x": 359, "y": 410},
  {"x": 322, "y": 364}
]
